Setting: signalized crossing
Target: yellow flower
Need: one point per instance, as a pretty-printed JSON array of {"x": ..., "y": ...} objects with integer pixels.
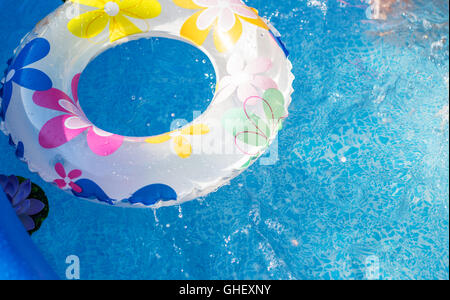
[
  {"x": 223, "y": 15},
  {"x": 114, "y": 13},
  {"x": 181, "y": 145}
]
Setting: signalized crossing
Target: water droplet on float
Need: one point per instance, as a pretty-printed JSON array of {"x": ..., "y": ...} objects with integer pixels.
[
  {"x": 10, "y": 75},
  {"x": 180, "y": 212}
]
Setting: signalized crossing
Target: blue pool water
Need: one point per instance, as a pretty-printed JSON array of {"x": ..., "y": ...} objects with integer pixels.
[
  {"x": 175, "y": 86},
  {"x": 361, "y": 186}
]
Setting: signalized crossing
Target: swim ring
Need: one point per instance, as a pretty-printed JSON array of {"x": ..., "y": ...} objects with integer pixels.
[{"x": 43, "y": 116}]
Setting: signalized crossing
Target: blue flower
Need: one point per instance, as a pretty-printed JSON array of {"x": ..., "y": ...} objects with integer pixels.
[
  {"x": 17, "y": 194},
  {"x": 29, "y": 78},
  {"x": 148, "y": 195},
  {"x": 90, "y": 190},
  {"x": 20, "y": 149},
  {"x": 152, "y": 194}
]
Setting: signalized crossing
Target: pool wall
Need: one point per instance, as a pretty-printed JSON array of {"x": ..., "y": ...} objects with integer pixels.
[{"x": 19, "y": 257}]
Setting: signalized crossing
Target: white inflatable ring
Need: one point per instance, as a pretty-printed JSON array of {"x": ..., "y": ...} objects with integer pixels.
[{"x": 42, "y": 114}]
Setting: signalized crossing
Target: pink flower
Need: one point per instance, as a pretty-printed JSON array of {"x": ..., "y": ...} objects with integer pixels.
[
  {"x": 72, "y": 123},
  {"x": 249, "y": 80},
  {"x": 67, "y": 180},
  {"x": 224, "y": 11}
]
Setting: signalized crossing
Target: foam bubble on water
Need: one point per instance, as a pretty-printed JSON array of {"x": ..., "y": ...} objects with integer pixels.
[
  {"x": 274, "y": 225},
  {"x": 322, "y": 5},
  {"x": 443, "y": 114}
]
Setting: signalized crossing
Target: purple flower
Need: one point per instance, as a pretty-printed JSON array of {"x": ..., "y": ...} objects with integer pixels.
[{"x": 18, "y": 196}]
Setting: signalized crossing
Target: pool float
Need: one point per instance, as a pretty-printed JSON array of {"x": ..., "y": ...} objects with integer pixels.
[
  {"x": 19, "y": 257},
  {"x": 43, "y": 116}
]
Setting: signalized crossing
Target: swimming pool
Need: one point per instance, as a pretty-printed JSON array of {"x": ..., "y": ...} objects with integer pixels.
[{"x": 360, "y": 186}]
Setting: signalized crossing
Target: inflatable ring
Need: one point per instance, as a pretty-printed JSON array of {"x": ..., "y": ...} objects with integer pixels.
[{"x": 44, "y": 117}]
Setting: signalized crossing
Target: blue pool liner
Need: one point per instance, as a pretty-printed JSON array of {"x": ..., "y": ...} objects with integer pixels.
[{"x": 20, "y": 259}]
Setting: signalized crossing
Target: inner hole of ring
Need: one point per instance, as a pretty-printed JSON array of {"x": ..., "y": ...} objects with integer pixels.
[{"x": 147, "y": 87}]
